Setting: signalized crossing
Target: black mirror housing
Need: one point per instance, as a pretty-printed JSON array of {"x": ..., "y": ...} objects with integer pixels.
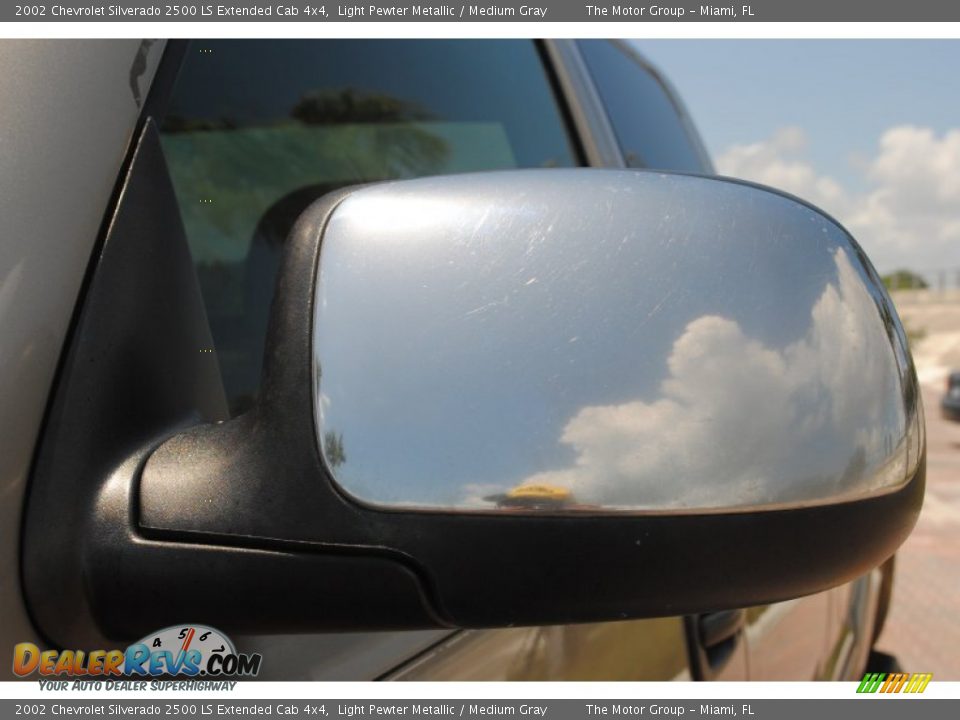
[{"x": 180, "y": 513}]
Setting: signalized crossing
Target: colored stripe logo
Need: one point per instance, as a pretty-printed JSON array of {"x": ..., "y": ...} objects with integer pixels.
[{"x": 894, "y": 682}]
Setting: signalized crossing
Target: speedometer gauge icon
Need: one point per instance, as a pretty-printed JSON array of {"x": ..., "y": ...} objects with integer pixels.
[
  {"x": 189, "y": 650},
  {"x": 184, "y": 638}
]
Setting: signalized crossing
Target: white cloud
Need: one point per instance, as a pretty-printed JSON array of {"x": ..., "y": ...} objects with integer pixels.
[
  {"x": 739, "y": 423},
  {"x": 778, "y": 162},
  {"x": 909, "y": 216}
]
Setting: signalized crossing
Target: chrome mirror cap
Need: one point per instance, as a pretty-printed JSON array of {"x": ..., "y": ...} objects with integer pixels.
[{"x": 595, "y": 341}]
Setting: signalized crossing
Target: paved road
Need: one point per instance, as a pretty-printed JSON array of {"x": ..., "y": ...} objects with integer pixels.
[{"x": 923, "y": 628}]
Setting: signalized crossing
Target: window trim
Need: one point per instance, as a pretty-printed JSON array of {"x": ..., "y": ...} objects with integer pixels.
[{"x": 591, "y": 124}]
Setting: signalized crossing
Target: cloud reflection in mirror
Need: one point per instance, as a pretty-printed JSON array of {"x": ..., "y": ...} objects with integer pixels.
[
  {"x": 715, "y": 435},
  {"x": 588, "y": 341}
]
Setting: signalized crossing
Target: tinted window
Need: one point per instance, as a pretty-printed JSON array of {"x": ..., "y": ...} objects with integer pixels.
[
  {"x": 257, "y": 130},
  {"x": 645, "y": 120}
]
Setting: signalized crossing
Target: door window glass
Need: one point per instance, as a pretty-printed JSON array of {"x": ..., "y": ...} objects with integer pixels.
[{"x": 648, "y": 126}]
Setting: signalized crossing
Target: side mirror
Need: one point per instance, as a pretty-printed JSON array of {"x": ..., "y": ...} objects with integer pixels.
[{"x": 522, "y": 398}]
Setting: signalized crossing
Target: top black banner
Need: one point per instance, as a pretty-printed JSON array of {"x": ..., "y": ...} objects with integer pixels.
[{"x": 315, "y": 11}]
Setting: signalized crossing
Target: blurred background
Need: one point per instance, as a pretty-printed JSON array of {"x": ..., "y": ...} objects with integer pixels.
[{"x": 870, "y": 132}]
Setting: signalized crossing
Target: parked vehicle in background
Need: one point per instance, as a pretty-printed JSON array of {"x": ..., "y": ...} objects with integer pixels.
[{"x": 950, "y": 405}]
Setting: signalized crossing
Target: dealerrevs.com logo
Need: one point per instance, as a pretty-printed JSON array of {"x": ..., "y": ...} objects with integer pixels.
[{"x": 184, "y": 650}]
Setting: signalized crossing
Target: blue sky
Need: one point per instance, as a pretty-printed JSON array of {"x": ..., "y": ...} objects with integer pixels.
[
  {"x": 867, "y": 129},
  {"x": 844, "y": 93}
]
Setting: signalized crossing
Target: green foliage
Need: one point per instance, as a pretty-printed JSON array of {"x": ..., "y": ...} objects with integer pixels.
[
  {"x": 904, "y": 280},
  {"x": 346, "y": 106}
]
